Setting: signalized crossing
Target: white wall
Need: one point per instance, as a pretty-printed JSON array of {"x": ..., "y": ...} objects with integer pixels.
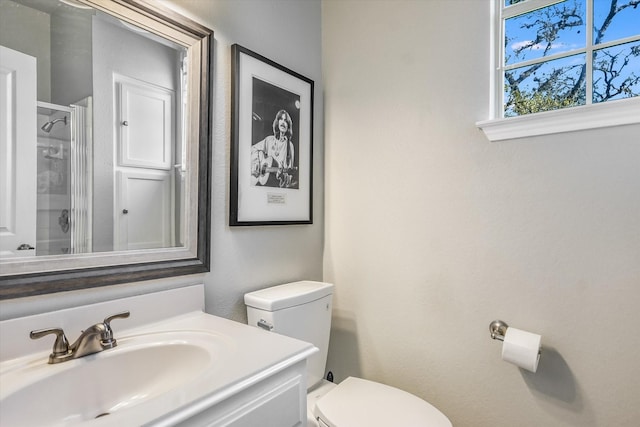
[{"x": 432, "y": 232}]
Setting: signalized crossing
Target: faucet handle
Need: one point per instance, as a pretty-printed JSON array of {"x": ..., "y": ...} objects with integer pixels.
[
  {"x": 107, "y": 335},
  {"x": 60, "y": 345},
  {"x": 122, "y": 315}
]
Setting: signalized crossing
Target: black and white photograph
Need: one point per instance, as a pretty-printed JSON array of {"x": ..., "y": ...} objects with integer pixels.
[
  {"x": 276, "y": 114},
  {"x": 271, "y": 142}
]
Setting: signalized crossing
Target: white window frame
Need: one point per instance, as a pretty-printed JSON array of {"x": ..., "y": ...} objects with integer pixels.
[{"x": 589, "y": 116}]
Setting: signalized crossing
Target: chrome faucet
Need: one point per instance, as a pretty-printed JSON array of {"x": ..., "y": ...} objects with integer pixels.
[{"x": 94, "y": 339}]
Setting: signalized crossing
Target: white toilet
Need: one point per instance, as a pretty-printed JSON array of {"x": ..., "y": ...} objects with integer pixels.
[{"x": 302, "y": 310}]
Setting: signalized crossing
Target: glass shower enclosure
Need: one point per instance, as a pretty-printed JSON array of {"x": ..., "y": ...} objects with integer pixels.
[{"x": 64, "y": 178}]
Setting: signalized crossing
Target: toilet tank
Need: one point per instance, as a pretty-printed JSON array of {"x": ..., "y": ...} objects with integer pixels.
[{"x": 300, "y": 310}]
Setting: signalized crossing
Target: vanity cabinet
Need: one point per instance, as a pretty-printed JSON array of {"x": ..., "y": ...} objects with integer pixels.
[{"x": 278, "y": 400}]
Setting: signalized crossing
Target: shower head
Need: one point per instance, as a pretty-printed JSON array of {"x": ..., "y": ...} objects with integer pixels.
[{"x": 49, "y": 125}]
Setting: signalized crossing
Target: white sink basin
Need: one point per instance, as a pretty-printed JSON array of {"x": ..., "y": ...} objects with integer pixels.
[{"x": 34, "y": 393}]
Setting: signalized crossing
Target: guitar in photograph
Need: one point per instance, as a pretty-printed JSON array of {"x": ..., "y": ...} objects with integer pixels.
[{"x": 263, "y": 167}]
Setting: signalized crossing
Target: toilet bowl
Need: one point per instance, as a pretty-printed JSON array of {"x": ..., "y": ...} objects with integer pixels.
[
  {"x": 314, "y": 394},
  {"x": 359, "y": 402},
  {"x": 302, "y": 310}
]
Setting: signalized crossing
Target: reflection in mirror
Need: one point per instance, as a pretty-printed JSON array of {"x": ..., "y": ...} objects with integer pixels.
[
  {"x": 106, "y": 148},
  {"x": 95, "y": 72}
]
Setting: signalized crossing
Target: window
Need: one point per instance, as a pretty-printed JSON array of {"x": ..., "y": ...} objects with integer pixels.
[
  {"x": 550, "y": 59},
  {"x": 555, "y": 54}
]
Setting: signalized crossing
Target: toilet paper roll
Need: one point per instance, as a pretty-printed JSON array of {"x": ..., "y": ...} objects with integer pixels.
[{"x": 521, "y": 348}]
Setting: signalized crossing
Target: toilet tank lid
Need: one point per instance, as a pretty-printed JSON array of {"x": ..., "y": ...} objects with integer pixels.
[{"x": 288, "y": 295}]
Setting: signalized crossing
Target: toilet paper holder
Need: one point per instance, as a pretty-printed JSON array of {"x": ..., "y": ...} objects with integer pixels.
[
  {"x": 498, "y": 329},
  {"x": 522, "y": 348}
]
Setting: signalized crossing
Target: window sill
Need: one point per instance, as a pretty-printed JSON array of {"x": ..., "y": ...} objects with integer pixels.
[{"x": 612, "y": 113}]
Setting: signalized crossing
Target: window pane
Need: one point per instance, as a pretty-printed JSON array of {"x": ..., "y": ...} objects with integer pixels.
[
  {"x": 543, "y": 32},
  {"x": 546, "y": 86},
  {"x": 616, "y": 72},
  {"x": 612, "y": 24}
]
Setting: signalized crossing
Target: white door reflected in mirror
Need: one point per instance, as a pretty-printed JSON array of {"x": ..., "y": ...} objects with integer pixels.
[{"x": 17, "y": 141}]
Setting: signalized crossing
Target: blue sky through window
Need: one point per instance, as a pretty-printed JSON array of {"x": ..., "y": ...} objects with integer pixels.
[
  {"x": 602, "y": 59},
  {"x": 521, "y": 31},
  {"x": 522, "y": 43},
  {"x": 626, "y": 22}
]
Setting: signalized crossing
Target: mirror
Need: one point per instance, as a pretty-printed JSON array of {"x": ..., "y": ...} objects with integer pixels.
[{"x": 105, "y": 170}]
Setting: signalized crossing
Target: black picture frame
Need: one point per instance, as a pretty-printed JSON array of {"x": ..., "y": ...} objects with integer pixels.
[{"x": 271, "y": 142}]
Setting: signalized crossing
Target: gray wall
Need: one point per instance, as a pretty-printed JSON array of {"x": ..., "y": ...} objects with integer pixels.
[
  {"x": 453, "y": 231},
  {"x": 71, "y": 56}
]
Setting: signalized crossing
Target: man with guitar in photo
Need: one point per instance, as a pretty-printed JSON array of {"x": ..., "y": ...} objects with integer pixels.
[{"x": 272, "y": 158}]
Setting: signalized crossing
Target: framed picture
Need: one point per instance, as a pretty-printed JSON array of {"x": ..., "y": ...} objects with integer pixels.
[{"x": 271, "y": 142}]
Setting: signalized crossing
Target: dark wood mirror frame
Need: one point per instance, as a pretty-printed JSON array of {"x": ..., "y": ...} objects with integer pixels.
[{"x": 199, "y": 41}]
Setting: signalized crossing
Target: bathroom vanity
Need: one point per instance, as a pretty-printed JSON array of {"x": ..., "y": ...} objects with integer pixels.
[{"x": 173, "y": 365}]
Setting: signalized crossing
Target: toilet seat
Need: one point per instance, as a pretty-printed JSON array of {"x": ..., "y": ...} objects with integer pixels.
[{"x": 358, "y": 402}]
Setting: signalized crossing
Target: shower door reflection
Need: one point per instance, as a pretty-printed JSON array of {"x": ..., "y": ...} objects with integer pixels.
[
  {"x": 53, "y": 180},
  {"x": 63, "y": 199}
]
